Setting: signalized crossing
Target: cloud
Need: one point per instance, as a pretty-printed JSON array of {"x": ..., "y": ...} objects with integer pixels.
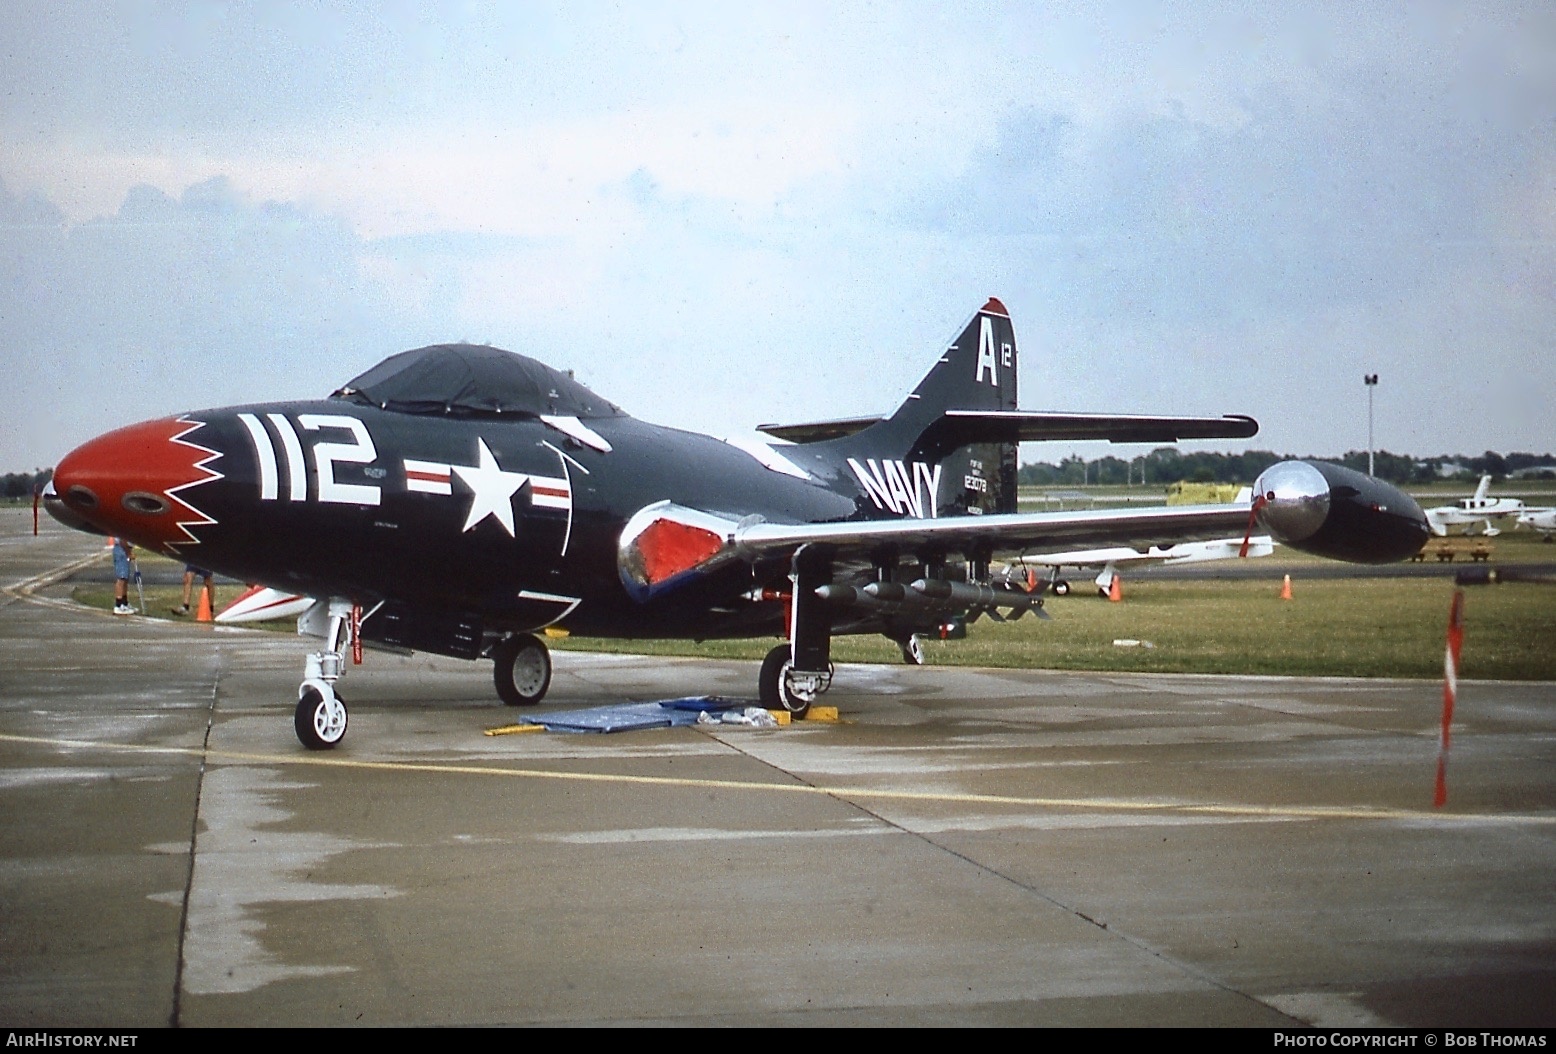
[
  {"x": 173, "y": 304},
  {"x": 1187, "y": 209},
  {"x": 1269, "y": 260}
]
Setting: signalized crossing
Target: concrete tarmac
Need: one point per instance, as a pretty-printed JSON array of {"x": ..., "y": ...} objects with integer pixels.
[{"x": 967, "y": 847}]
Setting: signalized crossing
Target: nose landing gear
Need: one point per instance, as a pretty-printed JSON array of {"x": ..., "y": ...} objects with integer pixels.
[{"x": 320, "y": 720}]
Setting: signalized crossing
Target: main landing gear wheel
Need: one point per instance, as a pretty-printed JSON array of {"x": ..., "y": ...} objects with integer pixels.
[
  {"x": 775, "y": 684},
  {"x": 521, "y": 669},
  {"x": 320, "y": 721},
  {"x": 1061, "y": 588}
]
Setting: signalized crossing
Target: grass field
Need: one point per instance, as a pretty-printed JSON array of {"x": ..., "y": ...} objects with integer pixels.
[
  {"x": 1367, "y": 627},
  {"x": 1335, "y": 627}
]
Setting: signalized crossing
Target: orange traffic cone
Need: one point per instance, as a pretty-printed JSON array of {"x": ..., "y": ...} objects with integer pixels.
[
  {"x": 1116, "y": 590},
  {"x": 204, "y": 614},
  {"x": 1285, "y": 589}
]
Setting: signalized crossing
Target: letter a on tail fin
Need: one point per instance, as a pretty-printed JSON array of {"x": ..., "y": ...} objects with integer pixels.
[{"x": 976, "y": 371}]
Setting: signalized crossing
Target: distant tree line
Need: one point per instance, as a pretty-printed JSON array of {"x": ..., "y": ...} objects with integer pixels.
[
  {"x": 1166, "y": 465},
  {"x": 21, "y": 484}
]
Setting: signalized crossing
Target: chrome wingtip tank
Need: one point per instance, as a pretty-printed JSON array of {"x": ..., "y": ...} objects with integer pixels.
[{"x": 1332, "y": 511}]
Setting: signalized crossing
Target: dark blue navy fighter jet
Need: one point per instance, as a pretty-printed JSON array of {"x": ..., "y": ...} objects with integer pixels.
[{"x": 458, "y": 499}]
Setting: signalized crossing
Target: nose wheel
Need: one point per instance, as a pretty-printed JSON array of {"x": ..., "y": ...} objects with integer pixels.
[{"x": 321, "y": 718}]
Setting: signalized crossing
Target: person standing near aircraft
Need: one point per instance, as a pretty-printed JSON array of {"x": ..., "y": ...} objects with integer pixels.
[
  {"x": 123, "y": 552},
  {"x": 190, "y": 573}
]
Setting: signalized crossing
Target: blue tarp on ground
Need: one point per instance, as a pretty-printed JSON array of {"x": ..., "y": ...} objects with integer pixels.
[
  {"x": 627, "y": 717},
  {"x": 712, "y": 703}
]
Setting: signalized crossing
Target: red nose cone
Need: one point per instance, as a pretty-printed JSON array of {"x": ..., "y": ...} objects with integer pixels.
[{"x": 128, "y": 482}]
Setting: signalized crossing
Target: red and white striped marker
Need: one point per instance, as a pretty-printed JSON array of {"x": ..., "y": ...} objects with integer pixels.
[
  {"x": 1450, "y": 692},
  {"x": 1259, "y": 501}
]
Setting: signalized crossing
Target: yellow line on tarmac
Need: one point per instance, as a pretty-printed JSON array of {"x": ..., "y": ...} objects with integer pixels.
[{"x": 1278, "y": 812}]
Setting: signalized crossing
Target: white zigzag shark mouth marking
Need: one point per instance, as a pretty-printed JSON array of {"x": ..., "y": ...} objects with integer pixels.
[{"x": 202, "y": 518}]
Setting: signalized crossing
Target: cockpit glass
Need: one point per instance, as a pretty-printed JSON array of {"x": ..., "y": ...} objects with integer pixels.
[{"x": 473, "y": 380}]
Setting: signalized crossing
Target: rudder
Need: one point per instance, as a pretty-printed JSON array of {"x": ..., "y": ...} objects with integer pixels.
[{"x": 977, "y": 371}]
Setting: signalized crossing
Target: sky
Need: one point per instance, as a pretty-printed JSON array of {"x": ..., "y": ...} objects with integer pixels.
[{"x": 720, "y": 215}]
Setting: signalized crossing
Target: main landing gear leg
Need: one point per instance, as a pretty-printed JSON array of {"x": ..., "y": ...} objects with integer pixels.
[
  {"x": 793, "y": 674},
  {"x": 320, "y": 720}
]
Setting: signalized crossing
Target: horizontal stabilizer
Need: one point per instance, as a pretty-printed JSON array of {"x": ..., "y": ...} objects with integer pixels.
[
  {"x": 1032, "y": 426},
  {"x": 957, "y": 427},
  {"x": 816, "y": 431}
]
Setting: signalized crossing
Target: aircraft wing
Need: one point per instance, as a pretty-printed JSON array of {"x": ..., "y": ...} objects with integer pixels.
[
  {"x": 664, "y": 544},
  {"x": 1009, "y": 534},
  {"x": 959, "y": 427}
]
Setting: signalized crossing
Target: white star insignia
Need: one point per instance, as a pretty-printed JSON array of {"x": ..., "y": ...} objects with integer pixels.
[{"x": 492, "y": 489}]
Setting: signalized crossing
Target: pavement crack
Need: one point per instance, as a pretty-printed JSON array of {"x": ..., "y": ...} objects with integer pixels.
[
  {"x": 1135, "y": 942},
  {"x": 194, "y": 836}
]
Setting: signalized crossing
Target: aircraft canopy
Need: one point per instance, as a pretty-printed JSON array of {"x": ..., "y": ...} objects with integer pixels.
[{"x": 473, "y": 380}]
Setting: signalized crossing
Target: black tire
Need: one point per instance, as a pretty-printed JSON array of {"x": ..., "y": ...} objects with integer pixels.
[
  {"x": 1061, "y": 588},
  {"x": 312, "y": 724},
  {"x": 521, "y": 669},
  {"x": 772, "y": 684}
]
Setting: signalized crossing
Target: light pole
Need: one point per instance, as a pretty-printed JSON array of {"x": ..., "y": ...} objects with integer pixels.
[{"x": 1371, "y": 381}]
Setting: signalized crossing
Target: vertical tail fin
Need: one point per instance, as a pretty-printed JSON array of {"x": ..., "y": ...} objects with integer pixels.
[{"x": 976, "y": 371}]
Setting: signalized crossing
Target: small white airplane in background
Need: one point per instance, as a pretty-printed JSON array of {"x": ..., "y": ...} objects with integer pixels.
[
  {"x": 1482, "y": 509},
  {"x": 1182, "y": 553},
  {"x": 1542, "y": 520},
  {"x": 1111, "y": 559},
  {"x": 261, "y": 603}
]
